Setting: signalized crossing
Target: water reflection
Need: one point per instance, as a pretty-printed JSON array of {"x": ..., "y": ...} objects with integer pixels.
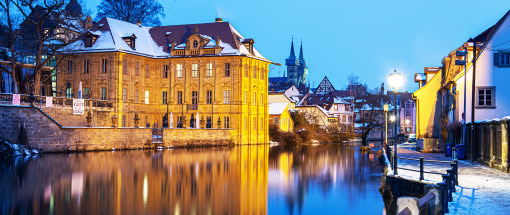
[
  {"x": 326, "y": 179},
  {"x": 239, "y": 180}
]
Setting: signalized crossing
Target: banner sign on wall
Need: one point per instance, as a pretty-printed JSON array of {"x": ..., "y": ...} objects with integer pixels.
[
  {"x": 78, "y": 106},
  {"x": 15, "y": 99},
  {"x": 49, "y": 101}
]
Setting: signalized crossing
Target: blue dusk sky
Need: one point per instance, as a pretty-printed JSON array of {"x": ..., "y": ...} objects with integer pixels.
[{"x": 369, "y": 38}]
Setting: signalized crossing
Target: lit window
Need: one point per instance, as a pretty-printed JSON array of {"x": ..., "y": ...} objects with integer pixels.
[
  {"x": 179, "y": 70},
  {"x": 226, "y": 97},
  {"x": 147, "y": 97},
  {"x": 194, "y": 70},
  {"x": 208, "y": 70}
]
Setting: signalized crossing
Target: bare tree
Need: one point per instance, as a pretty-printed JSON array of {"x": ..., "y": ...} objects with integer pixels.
[
  {"x": 47, "y": 27},
  {"x": 8, "y": 10},
  {"x": 368, "y": 105},
  {"x": 146, "y": 11}
]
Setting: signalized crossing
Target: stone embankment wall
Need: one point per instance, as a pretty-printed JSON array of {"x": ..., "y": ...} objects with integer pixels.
[
  {"x": 37, "y": 129},
  {"x": 179, "y": 137},
  {"x": 30, "y": 126},
  {"x": 101, "y": 117}
]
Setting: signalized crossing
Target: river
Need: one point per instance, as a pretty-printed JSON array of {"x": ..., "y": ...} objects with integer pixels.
[{"x": 321, "y": 179}]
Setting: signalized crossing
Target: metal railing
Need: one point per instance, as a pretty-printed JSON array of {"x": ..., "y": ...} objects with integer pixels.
[
  {"x": 447, "y": 185},
  {"x": 26, "y": 100}
]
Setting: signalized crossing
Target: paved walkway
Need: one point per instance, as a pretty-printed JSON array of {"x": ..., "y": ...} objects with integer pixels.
[{"x": 481, "y": 190}]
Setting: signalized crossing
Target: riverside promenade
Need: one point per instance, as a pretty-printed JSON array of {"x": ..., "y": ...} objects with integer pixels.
[{"x": 481, "y": 190}]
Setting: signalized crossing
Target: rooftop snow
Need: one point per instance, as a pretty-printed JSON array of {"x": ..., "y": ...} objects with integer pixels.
[{"x": 277, "y": 108}]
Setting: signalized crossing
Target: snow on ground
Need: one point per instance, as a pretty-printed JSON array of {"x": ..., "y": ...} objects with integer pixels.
[{"x": 481, "y": 190}]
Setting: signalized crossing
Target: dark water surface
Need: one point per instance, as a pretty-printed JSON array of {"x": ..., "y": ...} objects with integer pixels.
[{"x": 322, "y": 179}]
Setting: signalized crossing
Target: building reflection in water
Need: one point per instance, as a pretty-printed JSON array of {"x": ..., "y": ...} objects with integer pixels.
[
  {"x": 237, "y": 180},
  {"x": 181, "y": 181},
  {"x": 325, "y": 179}
]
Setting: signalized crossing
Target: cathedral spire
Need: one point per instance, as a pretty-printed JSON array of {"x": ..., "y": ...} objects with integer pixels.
[
  {"x": 301, "y": 57},
  {"x": 292, "y": 54}
]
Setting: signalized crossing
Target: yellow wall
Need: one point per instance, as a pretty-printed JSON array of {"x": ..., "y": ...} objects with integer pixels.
[
  {"x": 285, "y": 122},
  {"x": 427, "y": 120},
  {"x": 247, "y": 117}
]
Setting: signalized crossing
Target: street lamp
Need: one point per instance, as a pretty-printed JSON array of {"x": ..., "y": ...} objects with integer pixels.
[
  {"x": 395, "y": 81},
  {"x": 462, "y": 63},
  {"x": 386, "y": 108}
]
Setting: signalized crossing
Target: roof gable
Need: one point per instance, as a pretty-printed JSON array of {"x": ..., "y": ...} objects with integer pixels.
[{"x": 325, "y": 87}]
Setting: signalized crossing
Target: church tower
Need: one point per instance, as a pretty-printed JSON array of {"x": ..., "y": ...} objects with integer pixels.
[
  {"x": 302, "y": 69},
  {"x": 296, "y": 68},
  {"x": 292, "y": 66}
]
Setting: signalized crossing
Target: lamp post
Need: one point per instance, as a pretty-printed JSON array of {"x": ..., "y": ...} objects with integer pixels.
[
  {"x": 386, "y": 108},
  {"x": 462, "y": 63},
  {"x": 395, "y": 81}
]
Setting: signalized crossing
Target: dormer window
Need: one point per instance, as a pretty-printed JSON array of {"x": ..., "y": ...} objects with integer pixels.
[
  {"x": 89, "y": 39},
  {"x": 195, "y": 44},
  {"x": 130, "y": 41},
  {"x": 248, "y": 43}
]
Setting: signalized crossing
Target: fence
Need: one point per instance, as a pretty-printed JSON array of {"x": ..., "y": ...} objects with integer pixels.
[
  {"x": 486, "y": 142},
  {"x": 6, "y": 98},
  {"x": 446, "y": 186}
]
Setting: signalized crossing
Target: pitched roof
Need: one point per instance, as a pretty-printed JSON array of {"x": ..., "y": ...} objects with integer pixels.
[
  {"x": 155, "y": 41},
  {"x": 325, "y": 87},
  {"x": 277, "y": 108},
  {"x": 486, "y": 35}
]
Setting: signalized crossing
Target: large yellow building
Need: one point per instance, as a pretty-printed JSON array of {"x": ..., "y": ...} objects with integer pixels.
[{"x": 207, "y": 70}]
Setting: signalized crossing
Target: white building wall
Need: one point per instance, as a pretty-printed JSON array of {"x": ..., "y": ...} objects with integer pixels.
[{"x": 487, "y": 75}]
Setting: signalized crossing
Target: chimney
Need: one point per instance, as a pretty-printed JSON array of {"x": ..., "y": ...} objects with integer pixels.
[
  {"x": 218, "y": 20},
  {"x": 139, "y": 23},
  {"x": 88, "y": 22}
]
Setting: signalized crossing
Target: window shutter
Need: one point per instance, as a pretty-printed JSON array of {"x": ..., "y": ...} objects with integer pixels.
[{"x": 497, "y": 57}]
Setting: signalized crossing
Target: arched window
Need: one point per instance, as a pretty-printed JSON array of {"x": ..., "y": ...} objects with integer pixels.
[{"x": 195, "y": 44}]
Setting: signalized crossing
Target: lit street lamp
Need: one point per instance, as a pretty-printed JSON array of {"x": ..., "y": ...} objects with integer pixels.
[{"x": 395, "y": 81}]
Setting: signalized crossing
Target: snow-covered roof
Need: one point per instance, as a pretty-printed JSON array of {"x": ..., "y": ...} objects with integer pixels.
[
  {"x": 420, "y": 77},
  {"x": 110, "y": 38},
  {"x": 338, "y": 100},
  {"x": 277, "y": 108},
  {"x": 156, "y": 41}
]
